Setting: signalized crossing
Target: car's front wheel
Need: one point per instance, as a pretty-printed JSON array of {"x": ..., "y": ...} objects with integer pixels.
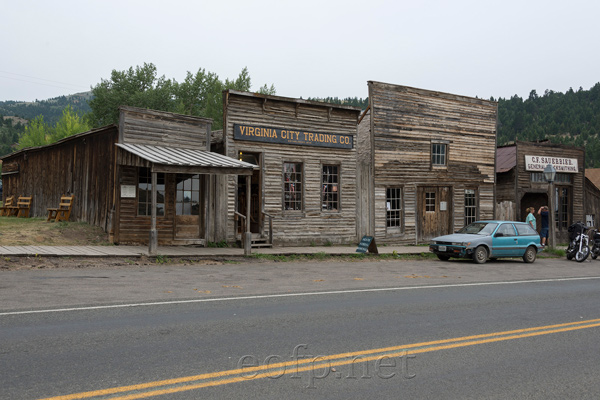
[
  {"x": 443, "y": 257},
  {"x": 480, "y": 255},
  {"x": 530, "y": 254}
]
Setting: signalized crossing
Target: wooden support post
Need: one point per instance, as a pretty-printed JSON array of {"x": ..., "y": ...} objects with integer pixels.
[
  {"x": 248, "y": 234},
  {"x": 153, "y": 243}
]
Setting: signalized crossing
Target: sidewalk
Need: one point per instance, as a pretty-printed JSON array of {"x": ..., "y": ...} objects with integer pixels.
[{"x": 190, "y": 251}]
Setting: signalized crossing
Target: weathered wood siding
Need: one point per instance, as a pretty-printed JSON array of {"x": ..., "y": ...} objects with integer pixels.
[
  {"x": 159, "y": 128},
  {"x": 135, "y": 229},
  {"x": 82, "y": 165},
  {"x": 404, "y": 123},
  {"x": 312, "y": 224}
]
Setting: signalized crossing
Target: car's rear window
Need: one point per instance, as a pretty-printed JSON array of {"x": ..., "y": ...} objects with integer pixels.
[{"x": 525, "y": 230}]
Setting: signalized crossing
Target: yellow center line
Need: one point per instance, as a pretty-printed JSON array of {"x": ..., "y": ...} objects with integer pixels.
[{"x": 322, "y": 361}]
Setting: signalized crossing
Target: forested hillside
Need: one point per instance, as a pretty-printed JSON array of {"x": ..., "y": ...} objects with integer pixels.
[
  {"x": 10, "y": 131},
  {"x": 51, "y": 109},
  {"x": 571, "y": 118}
]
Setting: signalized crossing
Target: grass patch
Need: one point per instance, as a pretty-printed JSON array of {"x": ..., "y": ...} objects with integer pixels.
[{"x": 321, "y": 256}]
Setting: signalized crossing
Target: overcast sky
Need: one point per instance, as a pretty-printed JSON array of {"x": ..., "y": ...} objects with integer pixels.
[{"x": 307, "y": 48}]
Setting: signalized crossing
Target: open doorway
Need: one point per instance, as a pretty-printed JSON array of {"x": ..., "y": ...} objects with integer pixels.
[
  {"x": 535, "y": 200},
  {"x": 255, "y": 191}
]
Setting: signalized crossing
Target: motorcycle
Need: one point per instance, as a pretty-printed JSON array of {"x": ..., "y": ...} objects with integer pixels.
[
  {"x": 579, "y": 243},
  {"x": 595, "y": 237}
]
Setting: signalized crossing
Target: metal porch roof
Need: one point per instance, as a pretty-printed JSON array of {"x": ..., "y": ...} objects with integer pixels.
[{"x": 180, "y": 157}]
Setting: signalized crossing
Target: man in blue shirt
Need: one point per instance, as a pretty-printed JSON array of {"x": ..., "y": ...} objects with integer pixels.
[{"x": 543, "y": 212}]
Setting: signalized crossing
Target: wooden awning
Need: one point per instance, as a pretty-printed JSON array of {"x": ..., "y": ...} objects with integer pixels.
[{"x": 187, "y": 161}]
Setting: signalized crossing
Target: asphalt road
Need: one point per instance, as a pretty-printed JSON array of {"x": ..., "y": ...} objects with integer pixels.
[{"x": 335, "y": 330}]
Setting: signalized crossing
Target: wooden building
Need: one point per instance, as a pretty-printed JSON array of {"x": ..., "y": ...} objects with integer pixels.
[
  {"x": 152, "y": 179},
  {"x": 520, "y": 183},
  {"x": 592, "y": 197},
  {"x": 425, "y": 163},
  {"x": 304, "y": 189}
]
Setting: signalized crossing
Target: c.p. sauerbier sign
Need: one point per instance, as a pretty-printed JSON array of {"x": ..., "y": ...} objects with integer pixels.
[
  {"x": 538, "y": 163},
  {"x": 291, "y": 136}
]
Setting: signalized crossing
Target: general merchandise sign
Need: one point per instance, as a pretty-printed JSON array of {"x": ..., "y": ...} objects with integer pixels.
[{"x": 562, "y": 165}]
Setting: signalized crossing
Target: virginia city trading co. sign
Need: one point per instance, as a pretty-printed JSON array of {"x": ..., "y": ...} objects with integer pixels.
[
  {"x": 291, "y": 136},
  {"x": 538, "y": 163}
]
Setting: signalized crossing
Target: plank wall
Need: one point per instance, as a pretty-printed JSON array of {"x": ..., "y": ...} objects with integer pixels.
[
  {"x": 404, "y": 122},
  {"x": 159, "y": 128},
  {"x": 312, "y": 224},
  {"x": 82, "y": 165}
]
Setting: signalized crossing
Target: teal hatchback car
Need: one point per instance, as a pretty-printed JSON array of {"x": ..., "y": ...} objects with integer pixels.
[{"x": 482, "y": 240}]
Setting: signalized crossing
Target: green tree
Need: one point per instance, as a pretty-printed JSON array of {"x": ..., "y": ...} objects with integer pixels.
[
  {"x": 137, "y": 87},
  {"x": 199, "y": 94},
  {"x": 69, "y": 124},
  {"x": 37, "y": 133}
]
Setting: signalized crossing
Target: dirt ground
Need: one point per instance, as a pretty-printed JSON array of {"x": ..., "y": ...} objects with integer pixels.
[{"x": 38, "y": 232}]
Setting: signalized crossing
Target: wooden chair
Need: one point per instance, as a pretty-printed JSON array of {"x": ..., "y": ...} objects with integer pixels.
[
  {"x": 6, "y": 209},
  {"x": 63, "y": 212},
  {"x": 23, "y": 206}
]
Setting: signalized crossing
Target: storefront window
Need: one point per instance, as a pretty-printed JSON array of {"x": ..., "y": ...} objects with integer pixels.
[
  {"x": 292, "y": 186},
  {"x": 145, "y": 193},
  {"x": 393, "y": 198},
  {"x": 562, "y": 203},
  {"x": 330, "y": 188},
  {"x": 188, "y": 195},
  {"x": 470, "y": 206},
  {"x": 560, "y": 178}
]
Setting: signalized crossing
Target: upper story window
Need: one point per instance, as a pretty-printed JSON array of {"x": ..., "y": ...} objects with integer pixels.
[
  {"x": 439, "y": 154},
  {"x": 292, "y": 186}
]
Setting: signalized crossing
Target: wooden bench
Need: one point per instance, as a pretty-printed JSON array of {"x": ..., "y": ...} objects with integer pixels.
[
  {"x": 8, "y": 206},
  {"x": 23, "y": 206},
  {"x": 63, "y": 212}
]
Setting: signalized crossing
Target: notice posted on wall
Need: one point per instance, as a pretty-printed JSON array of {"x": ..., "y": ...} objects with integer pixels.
[{"x": 127, "y": 191}]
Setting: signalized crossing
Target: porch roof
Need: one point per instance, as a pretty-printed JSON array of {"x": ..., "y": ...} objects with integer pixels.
[{"x": 183, "y": 160}]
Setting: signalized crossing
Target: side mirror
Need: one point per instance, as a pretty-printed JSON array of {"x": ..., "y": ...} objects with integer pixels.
[{"x": 499, "y": 234}]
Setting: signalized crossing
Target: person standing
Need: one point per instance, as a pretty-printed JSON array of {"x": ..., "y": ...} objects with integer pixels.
[
  {"x": 544, "y": 233},
  {"x": 530, "y": 217}
]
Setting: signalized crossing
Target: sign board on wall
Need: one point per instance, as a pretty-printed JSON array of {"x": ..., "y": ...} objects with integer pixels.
[
  {"x": 562, "y": 165},
  {"x": 292, "y": 136},
  {"x": 128, "y": 191}
]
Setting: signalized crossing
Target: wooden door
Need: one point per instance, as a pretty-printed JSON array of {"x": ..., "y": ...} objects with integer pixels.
[
  {"x": 435, "y": 211},
  {"x": 189, "y": 207}
]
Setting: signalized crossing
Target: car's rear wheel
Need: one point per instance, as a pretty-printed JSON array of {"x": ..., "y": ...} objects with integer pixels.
[
  {"x": 480, "y": 255},
  {"x": 443, "y": 257},
  {"x": 530, "y": 254}
]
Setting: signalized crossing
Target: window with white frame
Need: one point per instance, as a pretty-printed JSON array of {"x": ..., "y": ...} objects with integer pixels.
[
  {"x": 439, "y": 153},
  {"x": 394, "y": 208}
]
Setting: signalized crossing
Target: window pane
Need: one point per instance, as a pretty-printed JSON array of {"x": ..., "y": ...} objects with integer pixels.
[
  {"x": 292, "y": 188},
  {"x": 394, "y": 208},
  {"x": 330, "y": 188}
]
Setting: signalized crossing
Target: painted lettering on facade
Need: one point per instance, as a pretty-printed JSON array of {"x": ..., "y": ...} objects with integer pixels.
[
  {"x": 563, "y": 165},
  {"x": 292, "y": 136}
]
